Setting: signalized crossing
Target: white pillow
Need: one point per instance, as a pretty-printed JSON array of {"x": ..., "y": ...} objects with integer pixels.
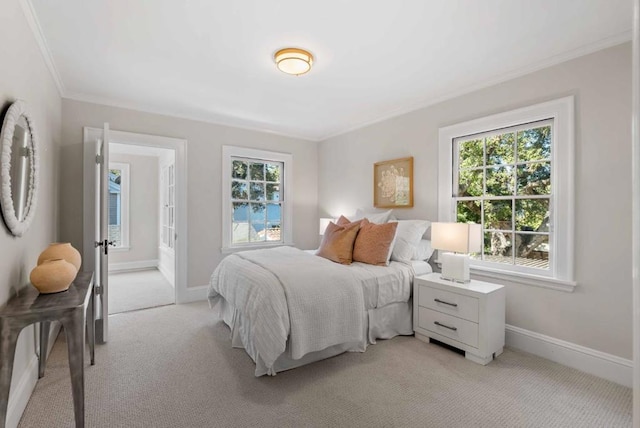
[
  {"x": 423, "y": 250},
  {"x": 377, "y": 218},
  {"x": 408, "y": 236}
]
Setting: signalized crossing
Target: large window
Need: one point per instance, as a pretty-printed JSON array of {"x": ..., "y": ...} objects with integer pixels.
[
  {"x": 119, "y": 204},
  {"x": 256, "y": 207},
  {"x": 513, "y": 174}
]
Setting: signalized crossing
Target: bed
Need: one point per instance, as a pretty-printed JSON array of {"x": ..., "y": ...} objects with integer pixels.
[{"x": 287, "y": 307}]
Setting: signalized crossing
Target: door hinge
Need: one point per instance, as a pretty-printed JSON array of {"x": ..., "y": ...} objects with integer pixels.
[
  {"x": 99, "y": 159},
  {"x": 99, "y": 290}
]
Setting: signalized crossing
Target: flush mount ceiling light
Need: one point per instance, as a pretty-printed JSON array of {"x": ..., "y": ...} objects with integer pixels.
[{"x": 293, "y": 61}]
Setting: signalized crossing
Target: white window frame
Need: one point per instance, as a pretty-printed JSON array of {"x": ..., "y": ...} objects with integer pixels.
[
  {"x": 229, "y": 152},
  {"x": 561, "y": 275},
  {"x": 124, "y": 204}
]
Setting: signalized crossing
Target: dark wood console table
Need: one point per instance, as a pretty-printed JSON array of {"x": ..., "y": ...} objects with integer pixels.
[{"x": 74, "y": 309}]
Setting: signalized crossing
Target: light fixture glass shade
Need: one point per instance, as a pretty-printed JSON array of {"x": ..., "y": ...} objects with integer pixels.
[
  {"x": 457, "y": 237},
  {"x": 293, "y": 61},
  {"x": 324, "y": 222}
]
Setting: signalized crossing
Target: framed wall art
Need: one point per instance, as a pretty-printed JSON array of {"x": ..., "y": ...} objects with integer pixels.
[{"x": 393, "y": 183}]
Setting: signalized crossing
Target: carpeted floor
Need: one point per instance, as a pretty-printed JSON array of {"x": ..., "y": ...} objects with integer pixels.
[
  {"x": 130, "y": 291},
  {"x": 173, "y": 366}
]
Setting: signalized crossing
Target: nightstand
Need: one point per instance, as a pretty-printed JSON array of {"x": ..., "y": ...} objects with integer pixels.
[{"x": 469, "y": 316}]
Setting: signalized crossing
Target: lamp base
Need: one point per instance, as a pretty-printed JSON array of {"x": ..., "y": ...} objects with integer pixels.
[{"x": 455, "y": 267}]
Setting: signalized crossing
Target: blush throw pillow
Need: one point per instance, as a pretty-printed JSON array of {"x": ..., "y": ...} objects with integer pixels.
[
  {"x": 337, "y": 242},
  {"x": 408, "y": 237},
  {"x": 374, "y": 243}
]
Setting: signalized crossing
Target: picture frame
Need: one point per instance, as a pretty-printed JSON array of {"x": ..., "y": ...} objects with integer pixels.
[{"x": 393, "y": 183}]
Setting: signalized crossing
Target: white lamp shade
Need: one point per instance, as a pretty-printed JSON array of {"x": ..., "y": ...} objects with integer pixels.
[
  {"x": 324, "y": 222},
  {"x": 457, "y": 237}
]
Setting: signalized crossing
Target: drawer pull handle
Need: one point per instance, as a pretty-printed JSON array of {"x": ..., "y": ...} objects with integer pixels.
[
  {"x": 445, "y": 326},
  {"x": 455, "y": 305}
]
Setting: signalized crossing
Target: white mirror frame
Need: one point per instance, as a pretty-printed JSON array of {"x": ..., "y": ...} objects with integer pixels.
[{"x": 16, "y": 110}]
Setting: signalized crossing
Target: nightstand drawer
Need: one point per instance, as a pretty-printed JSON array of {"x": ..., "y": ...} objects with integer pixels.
[
  {"x": 452, "y": 327},
  {"x": 449, "y": 303}
]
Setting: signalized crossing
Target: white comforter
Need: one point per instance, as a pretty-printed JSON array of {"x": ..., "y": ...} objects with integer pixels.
[{"x": 287, "y": 294}]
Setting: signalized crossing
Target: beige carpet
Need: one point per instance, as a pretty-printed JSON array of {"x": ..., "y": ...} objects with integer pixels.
[
  {"x": 173, "y": 367},
  {"x": 130, "y": 291}
]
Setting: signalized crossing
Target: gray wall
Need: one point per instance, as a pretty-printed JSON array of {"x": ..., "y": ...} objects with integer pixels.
[
  {"x": 204, "y": 150},
  {"x": 598, "y": 313},
  {"x": 24, "y": 75},
  {"x": 143, "y": 208}
]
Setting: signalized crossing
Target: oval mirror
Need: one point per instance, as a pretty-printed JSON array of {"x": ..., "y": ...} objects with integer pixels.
[{"x": 18, "y": 168}]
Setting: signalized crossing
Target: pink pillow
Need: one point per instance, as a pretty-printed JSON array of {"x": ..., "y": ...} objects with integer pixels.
[{"x": 373, "y": 243}]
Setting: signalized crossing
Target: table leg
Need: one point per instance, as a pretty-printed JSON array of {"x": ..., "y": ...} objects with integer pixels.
[
  {"x": 44, "y": 344},
  {"x": 8, "y": 339},
  {"x": 91, "y": 328},
  {"x": 74, "y": 327}
]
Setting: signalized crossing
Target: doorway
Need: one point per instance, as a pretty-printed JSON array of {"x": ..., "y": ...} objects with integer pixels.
[{"x": 141, "y": 224}]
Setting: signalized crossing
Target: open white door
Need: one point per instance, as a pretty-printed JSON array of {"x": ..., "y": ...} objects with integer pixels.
[{"x": 96, "y": 230}]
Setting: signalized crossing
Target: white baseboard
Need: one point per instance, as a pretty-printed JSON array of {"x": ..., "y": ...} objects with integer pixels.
[
  {"x": 597, "y": 363},
  {"x": 19, "y": 397},
  {"x": 131, "y": 266},
  {"x": 167, "y": 274},
  {"x": 192, "y": 294}
]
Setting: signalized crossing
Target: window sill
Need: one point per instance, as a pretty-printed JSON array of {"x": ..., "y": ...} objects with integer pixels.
[
  {"x": 488, "y": 274},
  {"x": 231, "y": 250}
]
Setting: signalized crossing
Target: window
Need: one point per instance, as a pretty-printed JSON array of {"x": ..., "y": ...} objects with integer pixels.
[
  {"x": 168, "y": 206},
  {"x": 257, "y": 207},
  {"x": 513, "y": 174},
  {"x": 119, "y": 204}
]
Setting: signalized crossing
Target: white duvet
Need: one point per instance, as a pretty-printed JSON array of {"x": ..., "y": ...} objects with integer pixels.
[{"x": 286, "y": 294}]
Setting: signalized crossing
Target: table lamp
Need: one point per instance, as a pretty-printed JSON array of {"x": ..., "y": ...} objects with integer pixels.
[{"x": 456, "y": 240}]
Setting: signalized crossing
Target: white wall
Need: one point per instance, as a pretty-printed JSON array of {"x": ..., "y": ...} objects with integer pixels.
[
  {"x": 143, "y": 209},
  {"x": 204, "y": 150},
  {"x": 24, "y": 75},
  {"x": 598, "y": 313}
]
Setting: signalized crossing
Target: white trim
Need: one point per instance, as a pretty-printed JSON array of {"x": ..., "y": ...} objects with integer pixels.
[
  {"x": 597, "y": 363},
  {"x": 38, "y": 34},
  {"x": 125, "y": 184},
  {"x": 484, "y": 273},
  {"x": 563, "y": 195},
  {"x": 131, "y": 266},
  {"x": 635, "y": 196},
  {"x": 287, "y": 207},
  {"x": 194, "y": 294}
]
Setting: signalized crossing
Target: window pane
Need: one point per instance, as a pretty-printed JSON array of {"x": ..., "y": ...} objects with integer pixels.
[
  {"x": 532, "y": 250},
  {"x": 534, "y": 144},
  {"x": 532, "y": 215},
  {"x": 256, "y": 191},
  {"x": 471, "y": 153},
  {"x": 240, "y": 226},
  {"x": 273, "y": 172},
  {"x": 497, "y": 215},
  {"x": 534, "y": 179},
  {"x": 274, "y": 221},
  {"x": 273, "y": 192},
  {"x": 239, "y": 190},
  {"x": 258, "y": 217},
  {"x": 469, "y": 211},
  {"x": 497, "y": 247},
  {"x": 256, "y": 171},
  {"x": 239, "y": 170},
  {"x": 500, "y": 181},
  {"x": 500, "y": 149},
  {"x": 470, "y": 183}
]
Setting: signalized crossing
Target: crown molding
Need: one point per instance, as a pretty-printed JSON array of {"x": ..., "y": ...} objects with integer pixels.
[
  {"x": 36, "y": 29},
  {"x": 608, "y": 42}
]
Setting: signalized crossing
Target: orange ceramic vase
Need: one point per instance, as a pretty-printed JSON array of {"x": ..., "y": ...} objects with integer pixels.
[
  {"x": 53, "y": 276},
  {"x": 61, "y": 250}
]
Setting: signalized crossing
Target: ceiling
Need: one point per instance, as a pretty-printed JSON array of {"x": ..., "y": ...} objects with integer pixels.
[{"x": 213, "y": 60}]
